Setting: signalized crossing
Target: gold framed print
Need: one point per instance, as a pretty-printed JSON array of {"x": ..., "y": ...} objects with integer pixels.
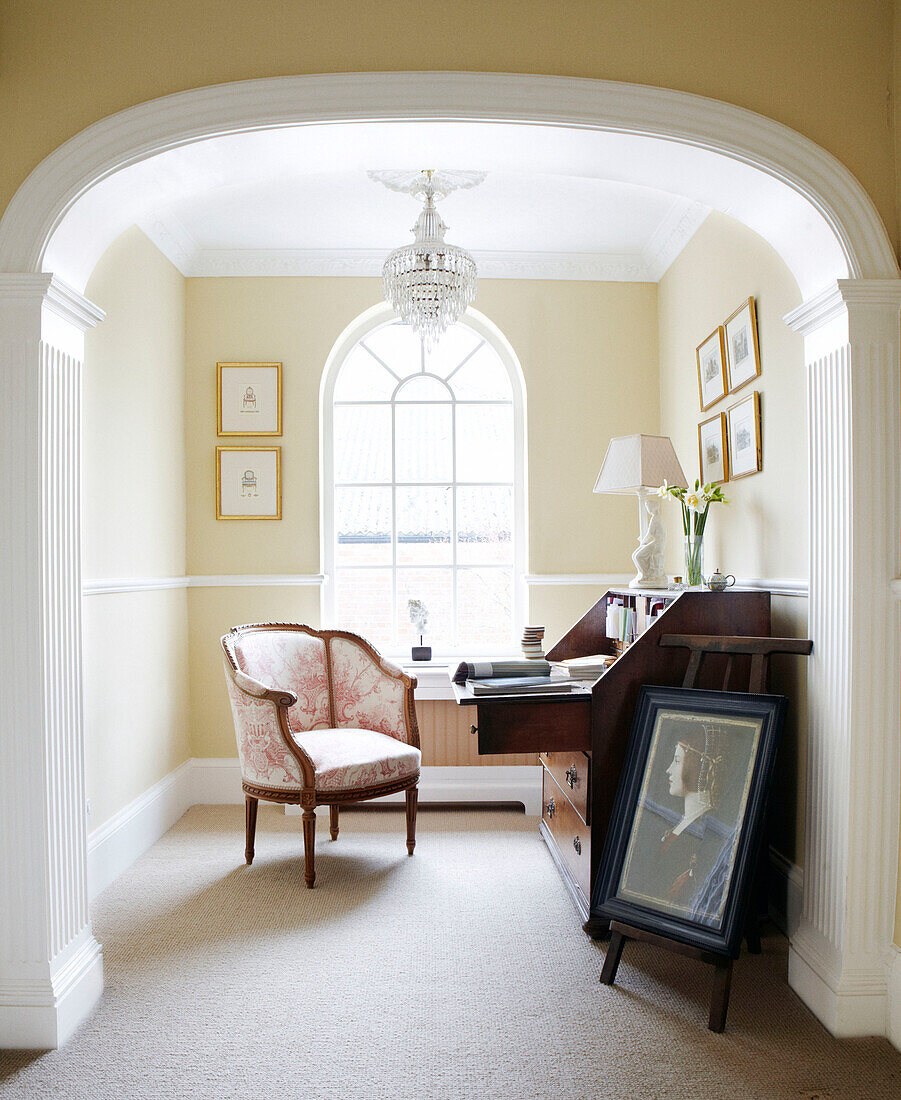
[
  {"x": 713, "y": 452},
  {"x": 248, "y": 483},
  {"x": 744, "y": 437},
  {"x": 249, "y": 398},
  {"x": 742, "y": 346},
  {"x": 712, "y": 369}
]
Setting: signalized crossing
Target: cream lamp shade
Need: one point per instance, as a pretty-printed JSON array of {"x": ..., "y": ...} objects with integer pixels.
[
  {"x": 634, "y": 462},
  {"x": 640, "y": 464}
]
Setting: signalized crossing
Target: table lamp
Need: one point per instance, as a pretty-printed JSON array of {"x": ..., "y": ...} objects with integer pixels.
[{"x": 640, "y": 464}]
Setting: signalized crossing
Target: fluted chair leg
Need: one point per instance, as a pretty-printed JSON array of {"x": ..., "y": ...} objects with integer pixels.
[
  {"x": 333, "y": 821},
  {"x": 412, "y": 802},
  {"x": 309, "y": 847},
  {"x": 250, "y": 826}
]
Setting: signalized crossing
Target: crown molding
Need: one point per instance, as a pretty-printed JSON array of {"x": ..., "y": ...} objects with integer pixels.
[
  {"x": 54, "y": 294},
  {"x": 671, "y": 236},
  {"x": 638, "y": 267}
]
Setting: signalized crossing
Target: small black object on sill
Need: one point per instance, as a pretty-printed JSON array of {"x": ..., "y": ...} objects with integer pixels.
[{"x": 422, "y": 652}]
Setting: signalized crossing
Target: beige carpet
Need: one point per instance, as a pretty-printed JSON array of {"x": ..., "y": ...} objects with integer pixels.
[{"x": 461, "y": 972}]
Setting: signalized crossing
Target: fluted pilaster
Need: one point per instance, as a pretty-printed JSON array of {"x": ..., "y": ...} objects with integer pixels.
[
  {"x": 840, "y": 953},
  {"x": 50, "y": 966}
]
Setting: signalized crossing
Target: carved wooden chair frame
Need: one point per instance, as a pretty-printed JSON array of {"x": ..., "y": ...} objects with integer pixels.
[{"x": 308, "y": 797}]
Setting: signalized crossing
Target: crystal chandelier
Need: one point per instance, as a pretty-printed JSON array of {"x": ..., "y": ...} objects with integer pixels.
[{"x": 429, "y": 283}]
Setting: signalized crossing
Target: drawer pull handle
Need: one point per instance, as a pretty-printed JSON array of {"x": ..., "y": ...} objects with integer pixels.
[
  {"x": 551, "y": 808},
  {"x": 572, "y": 776},
  {"x": 473, "y": 730},
  {"x": 577, "y": 844}
]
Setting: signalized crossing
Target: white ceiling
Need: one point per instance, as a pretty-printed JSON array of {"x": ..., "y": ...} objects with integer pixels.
[{"x": 557, "y": 202}]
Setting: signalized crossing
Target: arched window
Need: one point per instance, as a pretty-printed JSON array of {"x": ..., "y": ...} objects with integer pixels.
[{"x": 423, "y": 485}]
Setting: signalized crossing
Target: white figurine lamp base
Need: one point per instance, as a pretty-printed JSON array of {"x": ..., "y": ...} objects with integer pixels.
[
  {"x": 649, "y": 555},
  {"x": 639, "y": 464}
]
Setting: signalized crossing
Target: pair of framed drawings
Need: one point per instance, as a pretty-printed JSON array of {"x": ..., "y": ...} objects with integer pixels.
[
  {"x": 248, "y": 478},
  {"x": 729, "y": 442},
  {"x": 687, "y": 824}
]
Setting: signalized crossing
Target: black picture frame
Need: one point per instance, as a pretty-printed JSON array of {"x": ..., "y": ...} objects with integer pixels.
[{"x": 666, "y": 868}]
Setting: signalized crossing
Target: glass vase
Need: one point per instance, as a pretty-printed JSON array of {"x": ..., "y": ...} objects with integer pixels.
[{"x": 694, "y": 559}]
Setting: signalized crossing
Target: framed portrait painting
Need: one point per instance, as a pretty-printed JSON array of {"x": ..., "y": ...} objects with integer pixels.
[
  {"x": 744, "y": 436},
  {"x": 712, "y": 369},
  {"x": 742, "y": 347},
  {"x": 248, "y": 483},
  {"x": 249, "y": 397},
  {"x": 713, "y": 453},
  {"x": 687, "y": 823}
]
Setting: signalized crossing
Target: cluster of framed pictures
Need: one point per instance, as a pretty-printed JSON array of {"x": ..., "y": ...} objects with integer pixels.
[
  {"x": 729, "y": 442},
  {"x": 248, "y": 478}
]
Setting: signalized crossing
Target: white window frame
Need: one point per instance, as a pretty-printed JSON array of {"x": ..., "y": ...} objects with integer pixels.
[{"x": 357, "y": 330}]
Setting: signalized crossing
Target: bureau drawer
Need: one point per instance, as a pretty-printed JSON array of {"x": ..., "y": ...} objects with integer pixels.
[
  {"x": 572, "y": 771},
  {"x": 569, "y": 831}
]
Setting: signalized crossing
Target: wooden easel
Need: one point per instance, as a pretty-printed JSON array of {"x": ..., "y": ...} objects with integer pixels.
[{"x": 759, "y": 650}]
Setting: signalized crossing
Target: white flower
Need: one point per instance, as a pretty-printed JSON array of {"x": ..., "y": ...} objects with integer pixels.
[
  {"x": 663, "y": 491},
  {"x": 693, "y": 501}
]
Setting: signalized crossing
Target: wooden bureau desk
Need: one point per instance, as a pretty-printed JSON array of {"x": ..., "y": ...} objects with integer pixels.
[{"x": 582, "y": 737}]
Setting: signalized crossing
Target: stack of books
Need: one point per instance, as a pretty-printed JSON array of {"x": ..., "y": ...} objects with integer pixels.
[{"x": 532, "y": 637}]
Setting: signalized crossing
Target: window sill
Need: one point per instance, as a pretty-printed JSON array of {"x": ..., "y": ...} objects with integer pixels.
[{"x": 433, "y": 677}]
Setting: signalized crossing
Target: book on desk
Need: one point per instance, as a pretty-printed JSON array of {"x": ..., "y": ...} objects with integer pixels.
[{"x": 525, "y": 685}]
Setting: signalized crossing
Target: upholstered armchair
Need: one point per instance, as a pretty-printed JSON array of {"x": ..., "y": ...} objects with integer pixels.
[{"x": 320, "y": 719}]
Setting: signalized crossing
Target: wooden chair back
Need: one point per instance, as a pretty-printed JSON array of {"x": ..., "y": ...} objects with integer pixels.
[{"x": 758, "y": 649}]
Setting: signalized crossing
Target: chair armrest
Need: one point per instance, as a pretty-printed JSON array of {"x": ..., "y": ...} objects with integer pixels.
[
  {"x": 250, "y": 686},
  {"x": 396, "y": 672}
]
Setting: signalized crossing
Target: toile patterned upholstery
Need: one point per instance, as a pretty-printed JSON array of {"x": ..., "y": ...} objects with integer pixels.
[
  {"x": 320, "y": 718},
  {"x": 356, "y": 759}
]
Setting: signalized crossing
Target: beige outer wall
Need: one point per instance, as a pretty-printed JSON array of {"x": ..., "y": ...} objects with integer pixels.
[
  {"x": 589, "y": 357},
  {"x": 824, "y": 69},
  {"x": 135, "y": 652},
  {"x": 762, "y": 531}
]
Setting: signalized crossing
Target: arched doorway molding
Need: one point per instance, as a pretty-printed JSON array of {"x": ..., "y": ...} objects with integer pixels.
[
  {"x": 128, "y": 137},
  {"x": 841, "y": 955}
]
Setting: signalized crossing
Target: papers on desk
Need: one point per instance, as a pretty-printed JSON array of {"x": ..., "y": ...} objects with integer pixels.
[
  {"x": 523, "y": 685},
  {"x": 586, "y": 668}
]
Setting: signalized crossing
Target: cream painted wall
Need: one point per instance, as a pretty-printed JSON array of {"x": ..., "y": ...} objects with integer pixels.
[
  {"x": 824, "y": 69},
  {"x": 572, "y": 340},
  {"x": 762, "y": 531},
  {"x": 135, "y": 652}
]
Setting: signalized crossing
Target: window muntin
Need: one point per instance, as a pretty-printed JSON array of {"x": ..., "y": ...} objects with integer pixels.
[{"x": 424, "y": 491}]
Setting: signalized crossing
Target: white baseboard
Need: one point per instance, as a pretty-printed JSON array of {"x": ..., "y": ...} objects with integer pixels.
[
  {"x": 893, "y": 1014},
  {"x": 42, "y": 1012},
  {"x": 118, "y": 842},
  {"x": 216, "y": 781},
  {"x": 851, "y": 1003},
  {"x": 786, "y": 886},
  {"x": 494, "y": 783}
]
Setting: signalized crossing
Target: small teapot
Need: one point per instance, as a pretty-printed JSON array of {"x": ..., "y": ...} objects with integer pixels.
[{"x": 716, "y": 582}]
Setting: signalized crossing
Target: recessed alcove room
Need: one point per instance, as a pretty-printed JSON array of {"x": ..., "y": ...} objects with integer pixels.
[{"x": 607, "y": 252}]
